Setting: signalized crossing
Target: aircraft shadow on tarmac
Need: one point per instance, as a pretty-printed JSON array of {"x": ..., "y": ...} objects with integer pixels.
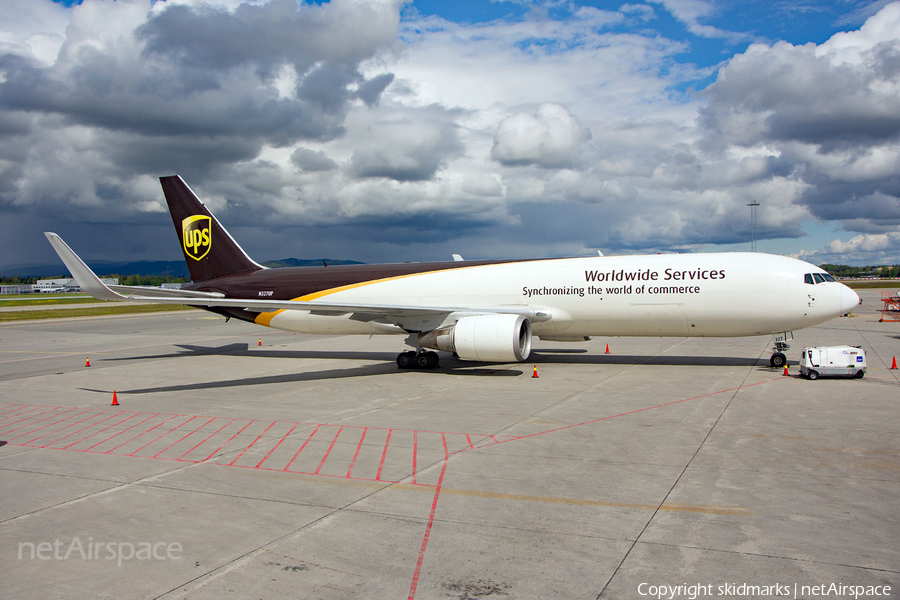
[
  {"x": 387, "y": 365},
  {"x": 540, "y": 355}
]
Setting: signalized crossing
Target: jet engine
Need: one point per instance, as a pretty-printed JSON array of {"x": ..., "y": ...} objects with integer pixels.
[{"x": 489, "y": 338}]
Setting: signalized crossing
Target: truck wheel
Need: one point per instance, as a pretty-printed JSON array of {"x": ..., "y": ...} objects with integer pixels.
[
  {"x": 859, "y": 374},
  {"x": 778, "y": 360},
  {"x": 813, "y": 375}
]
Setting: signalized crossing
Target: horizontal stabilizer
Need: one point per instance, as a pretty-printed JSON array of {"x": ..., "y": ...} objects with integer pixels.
[{"x": 86, "y": 278}]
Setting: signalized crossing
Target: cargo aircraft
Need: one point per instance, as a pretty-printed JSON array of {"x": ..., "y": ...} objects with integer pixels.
[{"x": 488, "y": 310}]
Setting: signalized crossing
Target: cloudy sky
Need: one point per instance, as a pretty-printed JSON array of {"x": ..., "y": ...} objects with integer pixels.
[{"x": 385, "y": 131}]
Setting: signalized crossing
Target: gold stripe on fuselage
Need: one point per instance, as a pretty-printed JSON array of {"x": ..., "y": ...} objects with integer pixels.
[{"x": 265, "y": 318}]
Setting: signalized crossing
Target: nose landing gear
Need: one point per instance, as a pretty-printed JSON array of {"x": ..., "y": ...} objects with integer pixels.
[{"x": 779, "y": 359}]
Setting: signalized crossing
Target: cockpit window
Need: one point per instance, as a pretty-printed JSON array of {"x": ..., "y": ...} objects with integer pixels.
[
  {"x": 819, "y": 278},
  {"x": 808, "y": 278},
  {"x": 829, "y": 278}
]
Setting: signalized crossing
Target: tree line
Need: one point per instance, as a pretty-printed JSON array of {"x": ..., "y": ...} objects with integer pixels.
[{"x": 884, "y": 271}]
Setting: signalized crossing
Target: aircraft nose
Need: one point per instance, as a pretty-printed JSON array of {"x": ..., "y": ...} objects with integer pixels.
[{"x": 849, "y": 299}]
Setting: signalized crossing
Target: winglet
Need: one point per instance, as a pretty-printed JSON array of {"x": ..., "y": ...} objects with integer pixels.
[{"x": 86, "y": 278}]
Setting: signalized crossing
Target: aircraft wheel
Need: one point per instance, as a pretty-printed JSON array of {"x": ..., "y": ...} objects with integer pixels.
[
  {"x": 405, "y": 360},
  {"x": 433, "y": 360},
  {"x": 778, "y": 360},
  {"x": 813, "y": 375}
]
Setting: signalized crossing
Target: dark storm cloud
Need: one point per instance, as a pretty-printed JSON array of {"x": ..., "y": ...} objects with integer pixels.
[
  {"x": 415, "y": 151},
  {"x": 268, "y": 35},
  {"x": 190, "y": 156},
  {"x": 312, "y": 161},
  {"x": 370, "y": 91},
  {"x": 102, "y": 91}
]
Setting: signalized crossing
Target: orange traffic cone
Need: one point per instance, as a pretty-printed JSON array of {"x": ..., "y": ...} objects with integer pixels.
[
  {"x": 534, "y": 375},
  {"x": 786, "y": 370},
  {"x": 114, "y": 402},
  {"x": 260, "y": 342},
  {"x": 894, "y": 365},
  {"x": 87, "y": 361},
  {"x": 607, "y": 349}
]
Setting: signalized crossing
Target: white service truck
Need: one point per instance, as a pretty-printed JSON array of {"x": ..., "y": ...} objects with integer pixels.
[{"x": 833, "y": 361}]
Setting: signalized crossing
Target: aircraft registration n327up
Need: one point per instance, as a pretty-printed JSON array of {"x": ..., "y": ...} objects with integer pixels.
[{"x": 488, "y": 310}]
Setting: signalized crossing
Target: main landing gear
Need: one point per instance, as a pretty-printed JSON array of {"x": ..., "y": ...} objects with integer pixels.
[{"x": 418, "y": 360}]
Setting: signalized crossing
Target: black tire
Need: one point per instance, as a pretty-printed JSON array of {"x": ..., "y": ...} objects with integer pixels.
[
  {"x": 422, "y": 361},
  {"x": 859, "y": 375},
  {"x": 813, "y": 375},
  {"x": 433, "y": 360},
  {"x": 778, "y": 360},
  {"x": 404, "y": 360}
]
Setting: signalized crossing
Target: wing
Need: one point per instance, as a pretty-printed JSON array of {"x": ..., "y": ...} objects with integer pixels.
[{"x": 409, "y": 317}]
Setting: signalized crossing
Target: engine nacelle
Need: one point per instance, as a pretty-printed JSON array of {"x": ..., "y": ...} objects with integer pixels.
[{"x": 489, "y": 338}]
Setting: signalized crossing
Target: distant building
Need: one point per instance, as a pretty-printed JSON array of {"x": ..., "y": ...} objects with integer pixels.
[
  {"x": 17, "y": 288},
  {"x": 172, "y": 286},
  {"x": 67, "y": 284}
]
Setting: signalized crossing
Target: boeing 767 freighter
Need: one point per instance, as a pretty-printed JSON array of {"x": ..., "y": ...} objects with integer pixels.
[{"x": 488, "y": 310}]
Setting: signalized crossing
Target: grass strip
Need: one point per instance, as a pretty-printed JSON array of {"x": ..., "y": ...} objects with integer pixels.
[
  {"x": 98, "y": 311},
  {"x": 873, "y": 285},
  {"x": 36, "y": 302}
]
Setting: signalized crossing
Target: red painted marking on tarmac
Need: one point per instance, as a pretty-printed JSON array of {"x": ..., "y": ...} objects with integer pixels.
[
  {"x": 434, "y": 503},
  {"x": 302, "y": 447},
  {"x": 214, "y": 452},
  {"x": 101, "y": 431},
  {"x": 142, "y": 433},
  {"x": 383, "y": 455},
  {"x": 185, "y": 436},
  {"x": 327, "y": 452},
  {"x": 284, "y": 437},
  {"x": 356, "y": 455},
  {"x": 28, "y": 443},
  {"x": 5, "y": 433},
  {"x": 152, "y": 415},
  {"x": 415, "y": 452},
  {"x": 12, "y": 408},
  {"x": 163, "y": 435},
  {"x": 251, "y": 444},
  {"x": 206, "y": 439},
  {"x": 25, "y": 418}
]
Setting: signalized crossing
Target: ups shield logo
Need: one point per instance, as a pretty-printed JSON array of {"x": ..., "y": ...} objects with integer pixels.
[{"x": 197, "y": 234}]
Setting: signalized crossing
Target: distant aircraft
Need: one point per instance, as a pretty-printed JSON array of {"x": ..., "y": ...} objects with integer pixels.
[{"x": 488, "y": 310}]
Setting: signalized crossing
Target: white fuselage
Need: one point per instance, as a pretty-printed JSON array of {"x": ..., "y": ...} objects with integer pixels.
[{"x": 714, "y": 295}]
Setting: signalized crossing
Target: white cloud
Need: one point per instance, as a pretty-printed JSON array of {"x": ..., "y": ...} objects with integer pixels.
[{"x": 551, "y": 137}]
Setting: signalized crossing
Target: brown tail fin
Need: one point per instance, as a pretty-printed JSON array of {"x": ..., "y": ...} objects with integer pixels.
[{"x": 209, "y": 249}]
